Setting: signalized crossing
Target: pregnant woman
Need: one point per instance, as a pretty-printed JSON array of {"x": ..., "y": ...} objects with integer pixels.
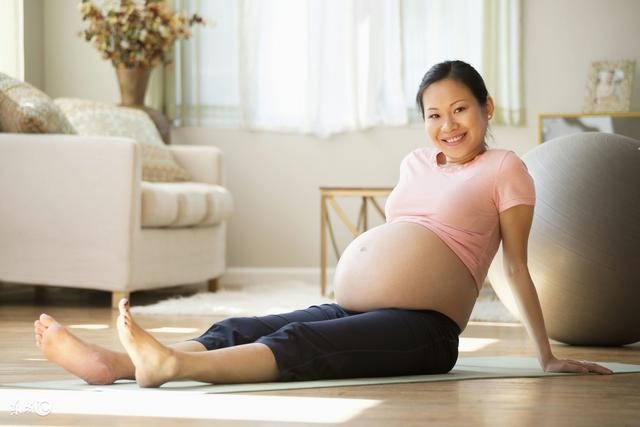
[{"x": 404, "y": 290}]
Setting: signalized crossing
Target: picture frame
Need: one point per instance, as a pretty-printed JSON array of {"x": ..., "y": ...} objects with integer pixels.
[{"x": 609, "y": 85}]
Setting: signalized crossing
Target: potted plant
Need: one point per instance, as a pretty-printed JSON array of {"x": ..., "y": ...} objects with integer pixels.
[{"x": 135, "y": 35}]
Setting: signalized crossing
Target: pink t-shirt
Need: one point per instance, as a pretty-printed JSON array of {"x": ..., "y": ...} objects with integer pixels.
[{"x": 461, "y": 205}]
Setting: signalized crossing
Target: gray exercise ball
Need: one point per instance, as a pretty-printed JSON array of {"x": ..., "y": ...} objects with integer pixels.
[{"x": 584, "y": 246}]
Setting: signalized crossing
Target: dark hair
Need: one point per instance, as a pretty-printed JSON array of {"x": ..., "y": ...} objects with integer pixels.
[{"x": 456, "y": 70}]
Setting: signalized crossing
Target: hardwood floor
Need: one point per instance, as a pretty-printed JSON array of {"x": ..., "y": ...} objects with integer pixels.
[{"x": 559, "y": 401}]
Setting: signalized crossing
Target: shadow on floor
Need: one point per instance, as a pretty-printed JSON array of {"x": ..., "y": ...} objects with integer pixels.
[{"x": 14, "y": 294}]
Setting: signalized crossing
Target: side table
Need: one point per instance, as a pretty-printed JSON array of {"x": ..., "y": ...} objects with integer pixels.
[{"x": 328, "y": 200}]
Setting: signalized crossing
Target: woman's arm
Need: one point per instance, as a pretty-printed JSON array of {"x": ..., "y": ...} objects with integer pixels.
[{"x": 515, "y": 224}]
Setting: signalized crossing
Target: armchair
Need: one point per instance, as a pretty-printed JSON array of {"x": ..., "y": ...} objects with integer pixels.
[{"x": 75, "y": 212}]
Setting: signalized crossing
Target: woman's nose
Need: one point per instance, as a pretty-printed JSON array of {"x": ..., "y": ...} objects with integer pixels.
[{"x": 449, "y": 122}]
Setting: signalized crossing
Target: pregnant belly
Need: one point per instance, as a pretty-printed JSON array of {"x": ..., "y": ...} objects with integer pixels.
[{"x": 404, "y": 265}]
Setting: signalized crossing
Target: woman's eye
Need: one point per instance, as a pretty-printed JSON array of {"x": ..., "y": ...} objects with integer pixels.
[
  {"x": 459, "y": 109},
  {"x": 433, "y": 116}
]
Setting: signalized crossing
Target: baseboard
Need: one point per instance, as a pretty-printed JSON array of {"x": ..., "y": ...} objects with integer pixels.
[{"x": 252, "y": 275}]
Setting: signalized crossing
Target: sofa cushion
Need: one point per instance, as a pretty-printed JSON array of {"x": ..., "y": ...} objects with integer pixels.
[
  {"x": 25, "y": 109},
  {"x": 184, "y": 204},
  {"x": 96, "y": 118}
]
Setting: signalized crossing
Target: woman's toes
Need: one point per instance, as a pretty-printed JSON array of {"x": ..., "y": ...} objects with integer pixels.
[
  {"x": 46, "y": 320},
  {"x": 39, "y": 328},
  {"x": 123, "y": 308},
  {"x": 123, "y": 305}
]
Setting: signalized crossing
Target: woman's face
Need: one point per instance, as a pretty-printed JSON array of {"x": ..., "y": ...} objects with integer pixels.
[{"x": 454, "y": 120}]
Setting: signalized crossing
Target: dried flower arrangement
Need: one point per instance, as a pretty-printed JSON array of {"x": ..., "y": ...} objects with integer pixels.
[{"x": 135, "y": 33}]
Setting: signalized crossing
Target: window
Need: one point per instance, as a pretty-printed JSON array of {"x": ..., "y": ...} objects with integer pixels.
[{"x": 327, "y": 66}]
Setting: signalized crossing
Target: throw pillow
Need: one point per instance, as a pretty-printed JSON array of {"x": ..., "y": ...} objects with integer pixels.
[
  {"x": 96, "y": 118},
  {"x": 25, "y": 109}
]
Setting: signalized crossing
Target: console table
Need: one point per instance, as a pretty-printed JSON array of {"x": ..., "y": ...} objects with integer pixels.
[
  {"x": 328, "y": 201},
  {"x": 552, "y": 125}
]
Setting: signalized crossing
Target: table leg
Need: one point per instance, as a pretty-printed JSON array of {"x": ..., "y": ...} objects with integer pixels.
[
  {"x": 365, "y": 208},
  {"x": 323, "y": 245}
]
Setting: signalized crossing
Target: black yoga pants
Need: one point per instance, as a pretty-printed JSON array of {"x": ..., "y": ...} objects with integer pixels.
[{"x": 327, "y": 341}]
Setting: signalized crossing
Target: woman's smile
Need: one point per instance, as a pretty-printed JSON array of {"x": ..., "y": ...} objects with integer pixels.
[{"x": 455, "y": 140}]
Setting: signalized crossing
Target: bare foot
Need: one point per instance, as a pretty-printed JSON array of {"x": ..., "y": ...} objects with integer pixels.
[
  {"x": 155, "y": 363},
  {"x": 95, "y": 365}
]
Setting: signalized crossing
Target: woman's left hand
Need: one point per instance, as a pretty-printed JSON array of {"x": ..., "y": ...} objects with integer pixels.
[{"x": 574, "y": 366}]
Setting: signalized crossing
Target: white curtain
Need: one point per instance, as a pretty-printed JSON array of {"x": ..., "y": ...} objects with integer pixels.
[
  {"x": 202, "y": 85},
  {"x": 321, "y": 66},
  {"x": 502, "y": 59},
  {"x": 12, "y": 38},
  {"x": 487, "y": 34},
  {"x": 329, "y": 66}
]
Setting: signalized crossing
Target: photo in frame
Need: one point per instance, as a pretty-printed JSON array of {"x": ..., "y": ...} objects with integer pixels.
[{"x": 609, "y": 85}]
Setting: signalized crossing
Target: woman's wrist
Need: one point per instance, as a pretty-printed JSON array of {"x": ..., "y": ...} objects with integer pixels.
[{"x": 545, "y": 355}]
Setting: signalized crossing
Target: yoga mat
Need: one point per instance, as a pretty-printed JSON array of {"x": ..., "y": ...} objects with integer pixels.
[{"x": 467, "y": 368}]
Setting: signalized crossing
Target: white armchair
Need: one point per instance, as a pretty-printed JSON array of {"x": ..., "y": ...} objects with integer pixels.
[{"x": 75, "y": 212}]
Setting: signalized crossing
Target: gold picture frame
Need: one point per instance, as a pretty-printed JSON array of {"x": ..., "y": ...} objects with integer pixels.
[{"x": 609, "y": 85}]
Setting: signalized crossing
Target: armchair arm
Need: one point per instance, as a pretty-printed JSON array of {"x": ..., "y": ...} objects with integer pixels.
[
  {"x": 204, "y": 163},
  {"x": 69, "y": 209}
]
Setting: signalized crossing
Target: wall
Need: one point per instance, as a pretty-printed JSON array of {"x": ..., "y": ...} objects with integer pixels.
[
  {"x": 33, "y": 46},
  {"x": 73, "y": 68},
  {"x": 275, "y": 177},
  {"x": 563, "y": 37}
]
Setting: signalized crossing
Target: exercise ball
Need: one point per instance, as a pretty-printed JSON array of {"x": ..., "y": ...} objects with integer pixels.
[{"x": 584, "y": 245}]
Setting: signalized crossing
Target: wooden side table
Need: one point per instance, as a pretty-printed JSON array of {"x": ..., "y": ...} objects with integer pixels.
[{"x": 328, "y": 200}]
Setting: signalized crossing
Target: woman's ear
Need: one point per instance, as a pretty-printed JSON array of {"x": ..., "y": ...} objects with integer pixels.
[{"x": 489, "y": 107}]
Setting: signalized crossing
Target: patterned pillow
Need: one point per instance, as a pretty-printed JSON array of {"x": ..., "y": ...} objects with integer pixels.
[
  {"x": 96, "y": 118},
  {"x": 25, "y": 109}
]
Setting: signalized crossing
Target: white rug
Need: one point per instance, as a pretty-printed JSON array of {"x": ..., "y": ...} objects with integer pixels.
[{"x": 273, "y": 298}]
